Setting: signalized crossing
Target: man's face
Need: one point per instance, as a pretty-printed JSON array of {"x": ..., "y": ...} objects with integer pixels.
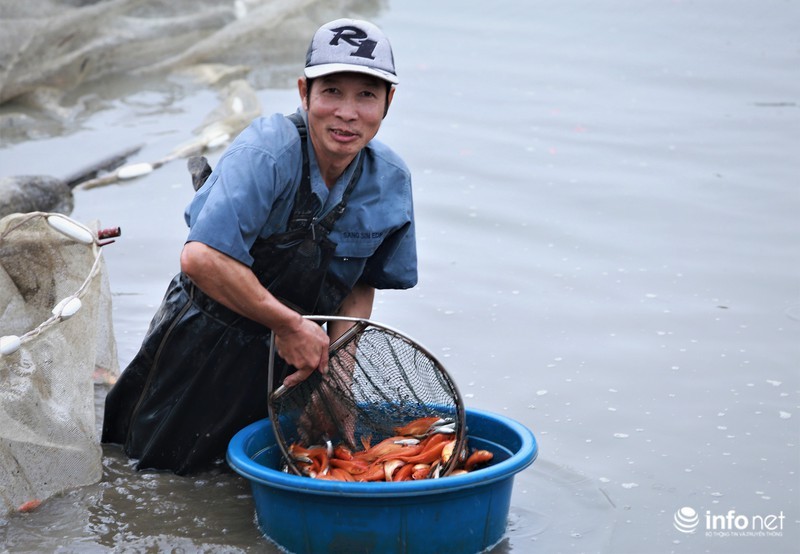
[{"x": 345, "y": 111}]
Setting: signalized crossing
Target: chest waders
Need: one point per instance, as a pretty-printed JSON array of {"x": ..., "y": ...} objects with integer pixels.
[{"x": 201, "y": 372}]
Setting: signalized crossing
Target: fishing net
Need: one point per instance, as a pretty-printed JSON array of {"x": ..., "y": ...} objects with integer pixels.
[
  {"x": 378, "y": 381},
  {"x": 56, "y": 338}
]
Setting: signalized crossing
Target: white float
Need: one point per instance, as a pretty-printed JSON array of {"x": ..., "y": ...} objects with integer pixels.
[
  {"x": 9, "y": 344},
  {"x": 68, "y": 307},
  {"x": 69, "y": 228}
]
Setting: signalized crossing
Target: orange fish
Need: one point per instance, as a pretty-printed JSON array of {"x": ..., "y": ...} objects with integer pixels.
[
  {"x": 404, "y": 473},
  {"x": 390, "y": 467},
  {"x": 476, "y": 458},
  {"x": 353, "y": 467},
  {"x": 417, "y": 427},
  {"x": 341, "y": 474},
  {"x": 342, "y": 452},
  {"x": 29, "y": 506},
  {"x": 429, "y": 455},
  {"x": 375, "y": 472},
  {"x": 420, "y": 471},
  {"x": 383, "y": 448}
]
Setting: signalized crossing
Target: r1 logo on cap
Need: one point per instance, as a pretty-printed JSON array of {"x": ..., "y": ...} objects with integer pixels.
[{"x": 355, "y": 37}]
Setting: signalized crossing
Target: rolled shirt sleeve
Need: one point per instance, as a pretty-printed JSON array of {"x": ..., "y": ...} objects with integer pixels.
[{"x": 249, "y": 193}]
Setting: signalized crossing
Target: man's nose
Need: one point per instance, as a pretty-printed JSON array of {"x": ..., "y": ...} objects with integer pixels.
[{"x": 347, "y": 109}]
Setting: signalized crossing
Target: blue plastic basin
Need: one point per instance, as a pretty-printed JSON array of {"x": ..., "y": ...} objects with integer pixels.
[{"x": 460, "y": 514}]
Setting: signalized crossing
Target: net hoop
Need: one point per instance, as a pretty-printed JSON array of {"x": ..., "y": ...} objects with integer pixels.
[{"x": 359, "y": 326}]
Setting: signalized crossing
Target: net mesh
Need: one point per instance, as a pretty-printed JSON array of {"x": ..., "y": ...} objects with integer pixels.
[
  {"x": 48, "y": 436},
  {"x": 378, "y": 380}
]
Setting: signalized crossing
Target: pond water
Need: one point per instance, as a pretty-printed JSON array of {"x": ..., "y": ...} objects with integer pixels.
[{"x": 608, "y": 220}]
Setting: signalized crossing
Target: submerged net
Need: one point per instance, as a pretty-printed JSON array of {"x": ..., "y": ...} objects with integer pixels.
[
  {"x": 378, "y": 380},
  {"x": 50, "y": 357}
]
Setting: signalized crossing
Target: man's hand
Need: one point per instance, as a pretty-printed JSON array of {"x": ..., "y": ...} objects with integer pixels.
[
  {"x": 302, "y": 346},
  {"x": 305, "y": 347}
]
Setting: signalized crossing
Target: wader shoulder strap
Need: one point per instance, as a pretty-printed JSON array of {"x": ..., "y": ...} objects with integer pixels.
[
  {"x": 331, "y": 217},
  {"x": 305, "y": 204}
]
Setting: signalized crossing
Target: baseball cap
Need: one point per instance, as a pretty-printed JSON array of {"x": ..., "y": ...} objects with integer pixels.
[{"x": 350, "y": 45}]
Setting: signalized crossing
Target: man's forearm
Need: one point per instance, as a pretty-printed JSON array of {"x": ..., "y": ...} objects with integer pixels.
[
  {"x": 357, "y": 304},
  {"x": 235, "y": 286},
  {"x": 301, "y": 342}
]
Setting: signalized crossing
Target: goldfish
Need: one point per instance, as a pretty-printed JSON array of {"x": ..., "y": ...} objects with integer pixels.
[
  {"x": 420, "y": 449},
  {"x": 476, "y": 458},
  {"x": 29, "y": 506},
  {"x": 417, "y": 427}
]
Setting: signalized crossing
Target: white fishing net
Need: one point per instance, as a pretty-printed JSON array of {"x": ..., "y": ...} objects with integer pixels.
[
  {"x": 62, "y": 60},
  {"x": 49, "y": 359}
]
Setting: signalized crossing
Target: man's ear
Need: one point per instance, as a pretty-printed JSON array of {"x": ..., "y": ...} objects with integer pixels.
[
  {"x": 302, "y": 88},
  {"x": 389, "y": 97}
]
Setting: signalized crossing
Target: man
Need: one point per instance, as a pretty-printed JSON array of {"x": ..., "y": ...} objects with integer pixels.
[{"x": 303, "y": 214}]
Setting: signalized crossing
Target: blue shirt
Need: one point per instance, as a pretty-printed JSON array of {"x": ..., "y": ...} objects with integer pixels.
[{"x": 251, "y": 192}]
